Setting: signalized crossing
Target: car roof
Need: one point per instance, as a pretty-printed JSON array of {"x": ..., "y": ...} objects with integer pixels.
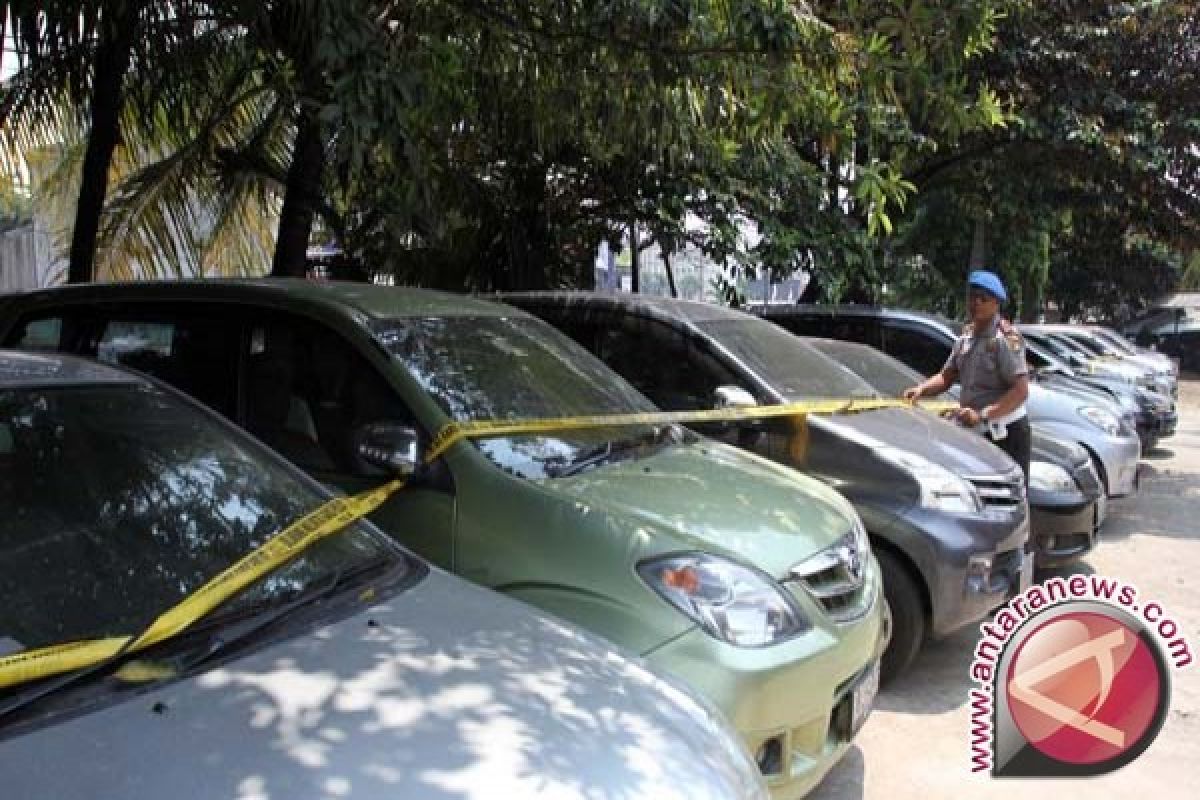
[
  {"x": 21, "y": 370},
  {"x": 880, "y": 312},
  {"x": 666, "y": 309},
  {"x": 363, "y": 300}
]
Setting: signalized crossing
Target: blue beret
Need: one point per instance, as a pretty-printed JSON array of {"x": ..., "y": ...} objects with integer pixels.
[{"x": 988, "y": 281}]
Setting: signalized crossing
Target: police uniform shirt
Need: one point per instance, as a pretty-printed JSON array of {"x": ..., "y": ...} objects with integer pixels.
[{"x": 987, "y": 362}]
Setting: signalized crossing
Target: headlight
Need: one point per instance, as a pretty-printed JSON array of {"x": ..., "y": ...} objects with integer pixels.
[
  {"x": 733, "y": 603},
  {"x": 941, "y": 489},
  {"x": 1050, "y": 477},
  {"x": 1104, "y": 420}
]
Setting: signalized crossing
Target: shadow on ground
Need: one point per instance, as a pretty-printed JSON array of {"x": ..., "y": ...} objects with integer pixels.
[{"x": 845, "y": 780}]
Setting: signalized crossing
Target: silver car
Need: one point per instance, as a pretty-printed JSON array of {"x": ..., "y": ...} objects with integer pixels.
[
  {"x": 1087, "y": 417},
  {"x": 349, "y": 669}
]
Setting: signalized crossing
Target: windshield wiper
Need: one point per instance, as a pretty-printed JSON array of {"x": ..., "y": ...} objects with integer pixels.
[
  {"x": 278, "y": 551},
  {"x": 226, "y": 635},
  {"x": 230, "y": 635},
  {"x": 601, "y": 453}
]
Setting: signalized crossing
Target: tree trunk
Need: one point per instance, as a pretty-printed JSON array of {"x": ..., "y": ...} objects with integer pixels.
[
  {"x": 666, "y": 259},
  {"x": 634, "y": 253},
  {"x": 301, "y": 192},
  {"x": 978, "y": 258},
  {"x": 108, "y": 78}
]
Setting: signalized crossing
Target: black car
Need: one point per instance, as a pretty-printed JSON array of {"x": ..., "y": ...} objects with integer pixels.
[{"x": 1066, "y": 498}]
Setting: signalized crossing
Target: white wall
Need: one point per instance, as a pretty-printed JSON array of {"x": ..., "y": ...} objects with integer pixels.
[{"x": 27, "y": 260}]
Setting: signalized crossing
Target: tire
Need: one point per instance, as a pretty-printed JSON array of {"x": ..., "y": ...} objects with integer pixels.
[{"x": 907, "y": 612}]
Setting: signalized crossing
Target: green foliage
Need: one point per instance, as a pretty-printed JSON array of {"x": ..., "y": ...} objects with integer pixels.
[
  {"x": 496, "y": 143},
  {"x": 1099, "y": 161}
]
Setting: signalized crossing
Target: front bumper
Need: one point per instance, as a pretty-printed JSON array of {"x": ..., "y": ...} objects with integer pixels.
[
  {"x": 1119, "y": 458},
  {"x": 943, "y": 546},
  {"x": 1064, "y": 527},
  {"x": 793, "y": 692}
]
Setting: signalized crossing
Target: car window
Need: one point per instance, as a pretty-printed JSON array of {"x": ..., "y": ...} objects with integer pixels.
[
  {"x": 675, "y": 374},
  {"x": 1090, "y": 345},
  {"x": 847, "y": 327},
  {"x": 39, "y": 334},
  {"x": 120, "y": 500},
  {"x": 308, "y": 390},
  {"x": 918, "y": 349},
  {"x": 194, "y": 350},
  {"x": 786, "y": 363},
  {"x": 888, "y": 375}
]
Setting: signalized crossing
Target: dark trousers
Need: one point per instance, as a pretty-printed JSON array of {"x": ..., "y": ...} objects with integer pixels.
[{"x": 1017, "y": 444}]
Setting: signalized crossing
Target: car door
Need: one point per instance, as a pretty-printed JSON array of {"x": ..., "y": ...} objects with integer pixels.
[{"x": 309, "y": 391}]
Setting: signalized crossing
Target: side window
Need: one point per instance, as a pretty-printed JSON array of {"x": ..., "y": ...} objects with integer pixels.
[
  {"x": 920, "y": 350},
  {"x": 855, "y": 328},
  {"x": 196, "y": 352},
  {"x": 307, "y": 392},
  {"x": 661, "y": 364},
  {"x": 847, "y": 328},
  {"x": 39, "y": 334}
]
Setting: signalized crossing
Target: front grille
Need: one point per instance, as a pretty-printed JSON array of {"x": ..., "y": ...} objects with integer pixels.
[
  {"x": 1000, "y": 492},
  {"x": 836, "y": 579}
]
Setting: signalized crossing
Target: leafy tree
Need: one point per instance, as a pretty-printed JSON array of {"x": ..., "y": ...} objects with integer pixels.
[{"x": 1096, "y": 177}]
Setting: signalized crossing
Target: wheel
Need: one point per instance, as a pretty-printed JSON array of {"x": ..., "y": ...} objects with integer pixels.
[{"x": 907, "y": 614}]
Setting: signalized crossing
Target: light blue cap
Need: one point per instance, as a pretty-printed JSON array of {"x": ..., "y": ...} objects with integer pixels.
[{"x": 988, "y": 281}]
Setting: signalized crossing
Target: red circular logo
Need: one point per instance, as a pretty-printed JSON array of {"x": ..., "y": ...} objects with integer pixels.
[{"x": 1084, "y": 688}]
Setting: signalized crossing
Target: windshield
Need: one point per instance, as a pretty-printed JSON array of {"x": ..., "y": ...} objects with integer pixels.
[
  {"x": 1088, "y": 344},
  {"x": 787, "y": 363},
  {"x": 889, "y": 376},
  {"x": 496, "y": 368},
  {"x": 120, "y": 500},
  {"x": 1058, "y": 348},
  {"x": 1115, "y": 340}
]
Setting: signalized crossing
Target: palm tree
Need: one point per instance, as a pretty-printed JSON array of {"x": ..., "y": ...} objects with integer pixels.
[{"x": 195, "y": 114}]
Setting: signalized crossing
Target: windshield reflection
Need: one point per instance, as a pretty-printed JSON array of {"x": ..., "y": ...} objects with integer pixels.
[
  {"x": 120, "y": 501},
  {"x": 491, "y": 368},
  {"x": 785, "y": 362}
]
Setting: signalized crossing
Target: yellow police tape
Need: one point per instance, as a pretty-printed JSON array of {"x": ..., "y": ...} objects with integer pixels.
[
  {"x": 455, "y": 432},
  {"x": 340, "y": 512},
  {"x": 323, "y": 521}
]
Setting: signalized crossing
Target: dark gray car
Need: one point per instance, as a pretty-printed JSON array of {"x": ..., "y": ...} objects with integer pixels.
[
  {"x": 952, "y": 548},
  {"x": 1067, "y": 503}
]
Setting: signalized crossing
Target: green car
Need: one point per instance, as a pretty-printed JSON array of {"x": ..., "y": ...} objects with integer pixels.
[{"x": 749, "y": 581}]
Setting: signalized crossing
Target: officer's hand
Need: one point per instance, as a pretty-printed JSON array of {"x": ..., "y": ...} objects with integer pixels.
[
  {"x": 912, "y": 394},
  {"x": 969, "y": 417}
]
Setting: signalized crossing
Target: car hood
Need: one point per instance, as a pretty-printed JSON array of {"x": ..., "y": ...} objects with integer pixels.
[
  {"x": 444, "y": 691},
  {"x": 944, "y": 443},
  {"x": 714, "y": 497},
  {"x": 1054, "y": 450}
]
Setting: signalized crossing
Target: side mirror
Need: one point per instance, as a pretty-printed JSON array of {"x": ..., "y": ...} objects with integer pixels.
[
  {"x": 732, "y": 397},
  {"x": 388, "y": 446}
]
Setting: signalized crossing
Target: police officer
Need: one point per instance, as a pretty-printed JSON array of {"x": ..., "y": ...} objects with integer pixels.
[{"x": 989, "y": 361}]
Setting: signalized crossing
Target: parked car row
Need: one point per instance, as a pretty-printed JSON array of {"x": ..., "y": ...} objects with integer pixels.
[
  {"x": 729, "y": 576},
  {"x": 1173, "y": 331}
]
